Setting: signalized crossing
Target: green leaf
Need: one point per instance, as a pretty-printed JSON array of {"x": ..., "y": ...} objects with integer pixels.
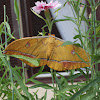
[
  {"x": 18, "y": 94},
  {"x": 16, "y": 9},
  {"x": 8, "y": 29},
  {"x": 81, "y": 58},
  {"x": 85, "y": 20},
  {"x": 63, "y": 96},
  {"x": 35, "y": 94},
  {"x": 89, "y": 95},
  {"x": 26, "y": 98},
  {"x": 98, "y": 51},
  {"x": 82, "y": 72},
  {"x": 58, "y": 20},
  {"x": 96, "y": 58},
  {"x": 98, "y": 29},
  {"x": 39, "y": 72},
  {"x": 68, "y": 88},
  {"x": 4, "y": 60},
  {"x": 85, "y": 88},
  {"x": 34, "y": 81},
  {"x": 37, "y": 15},
  {"x": 21, "y": 84},
  {"x": 76, "y": 36},
  {"x": 98, "y": 42},
  {"x": 30, "y": 60},
  {"x": 58, "y": 82},
  {"x": 46, "y": 86},
  {"x": 67, "y": 43},
  {"x": 62, "y": 80},
  {"x": 82, "y": 15},
  {"x": 77, "y": 44},
  {"x": 45, "y": 96},
  {"x": 74, "y": 76},
  {"x": 67, "y": 18},
  {"x": 97, "y": 4},
  {"x": 1, "y": 27},
  {"x": 6, "y": 24},
  {"x": 70, "y": 19},
  {"x": 3, "y": 76}
]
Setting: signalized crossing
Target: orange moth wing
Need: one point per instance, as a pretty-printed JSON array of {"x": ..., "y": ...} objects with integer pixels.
[{"x": 50, "y": 52}]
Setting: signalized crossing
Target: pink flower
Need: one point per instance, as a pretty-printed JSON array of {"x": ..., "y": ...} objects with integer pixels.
[
  {"x": 54, "y": 5},
  {"x": 42, "y": 6}
]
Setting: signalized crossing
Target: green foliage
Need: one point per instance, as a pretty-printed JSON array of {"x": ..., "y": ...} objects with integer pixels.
[
  {"x": 13, "y": 83},
  {"x": 30, "y": 60},
  {"x": 67, "y": 43},
  {"x": 16, "y": 9},
  {"x": 85, "y": 88}
]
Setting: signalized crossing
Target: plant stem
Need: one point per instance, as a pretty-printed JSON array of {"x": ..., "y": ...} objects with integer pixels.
[
  {"x": 23, "y": 74},
  {"x": 18, "y": 20},
  {"x": 48, "y": 20},
  {"x": 95, "y": 39},
  {"x": 93, "y": 24},
  {"x": 51, "y": 70},
  {"x": 77, "y": 20},
  {"x": 5, "y": 26},
  {"x": 11, "y": 77}
]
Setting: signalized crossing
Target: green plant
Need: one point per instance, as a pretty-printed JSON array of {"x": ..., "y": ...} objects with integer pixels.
[{"x": 13, "y": 83}]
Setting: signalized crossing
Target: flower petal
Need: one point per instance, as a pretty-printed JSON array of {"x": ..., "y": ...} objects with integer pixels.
[
  {"x": 54, "y": 5},
  {"x": 41, "y": 6},
  {"x": 36, "y": 9}
]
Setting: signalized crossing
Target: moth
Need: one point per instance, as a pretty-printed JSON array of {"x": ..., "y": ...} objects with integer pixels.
[{"x": 50, "y": 51}]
